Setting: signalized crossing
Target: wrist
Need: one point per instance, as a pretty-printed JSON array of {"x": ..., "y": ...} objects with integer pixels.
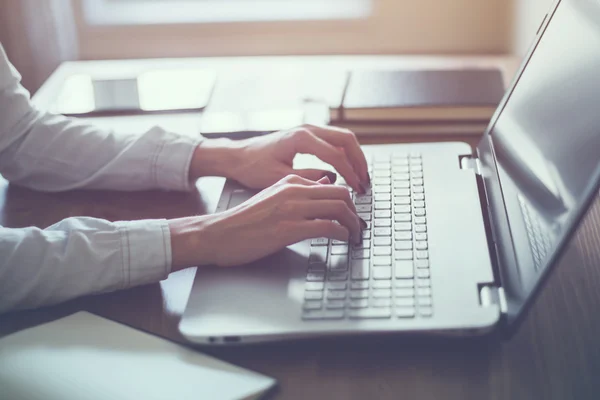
[
  {"x": 216, "y": 157},
  {"x": 190, "y": 242}
]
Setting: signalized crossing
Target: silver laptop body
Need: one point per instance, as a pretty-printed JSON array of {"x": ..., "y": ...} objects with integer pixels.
[{"x": 464, "y": 242}]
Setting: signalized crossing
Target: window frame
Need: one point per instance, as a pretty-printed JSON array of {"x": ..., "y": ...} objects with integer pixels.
[{"x": 107, "y": 12}]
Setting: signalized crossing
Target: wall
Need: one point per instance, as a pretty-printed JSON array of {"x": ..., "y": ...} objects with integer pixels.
[
  {"x": 396, "y": 26},
  {"x": 527, "y": 17},
  {"x": 37, "y": 36}
]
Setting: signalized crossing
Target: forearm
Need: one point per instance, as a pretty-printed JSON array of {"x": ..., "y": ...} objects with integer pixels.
[{"x": 80, "y": 256}]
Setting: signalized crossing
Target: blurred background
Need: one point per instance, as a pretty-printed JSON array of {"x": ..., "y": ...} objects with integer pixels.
[{"x": 39, "y": 34}]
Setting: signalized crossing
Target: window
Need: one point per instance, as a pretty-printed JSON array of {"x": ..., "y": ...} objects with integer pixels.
[{"x": 141, "y": 12}]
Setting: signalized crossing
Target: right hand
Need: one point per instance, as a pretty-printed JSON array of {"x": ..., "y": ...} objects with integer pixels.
[{"x": 292, "y": 210}]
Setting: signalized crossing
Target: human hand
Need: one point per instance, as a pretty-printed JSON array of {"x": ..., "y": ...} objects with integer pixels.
[
  {"x": 292, "y": 210},
  {"x": 262, "y": 161}
]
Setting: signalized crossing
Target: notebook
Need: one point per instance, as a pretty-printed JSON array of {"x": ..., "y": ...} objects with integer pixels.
[
  {"x": 85, "y": 357},
  {"x": 422, "y": 95}
]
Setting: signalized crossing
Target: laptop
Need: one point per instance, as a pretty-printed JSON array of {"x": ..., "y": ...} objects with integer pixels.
[{"x": 459, "y": 242}]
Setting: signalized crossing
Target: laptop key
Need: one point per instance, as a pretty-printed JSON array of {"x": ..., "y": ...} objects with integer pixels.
[
  {"x": 382, "y": 285},
  {"x": 404, "y": 245},
  {"x": 402, "y": 218},
  {"x": 360, "y": 269},
  {"x": 381, "y": 303},
  {"x": 382, "y": 261},
  {"x": 383, "y": 205},
  {"x": 359, "y": 294},
  {"x": 383, "y": 223},
  {"x": 420, "y": 228},
  {"x": 424, "y": 301},
  {"x": 405, "y": 292},
  {"x": 359, "y": 285},
  {"x": 382, "y": 273},
  {"x": 421, "y": 236},
  {"x": 318, "y": 254},
  {"x": 368, "y": 313},
  {"x": 383, "y": 189},
  {"x": 405, "y": 302},
  {"x": 402, "y": 192},
  {"x": 360, "y": 208},
  {"x": 382, "y": 251},
  {"x": 338, "y": 263},
  {"x": 404, "y": 255},
  {"x": 405, "y": 283},
  {"x": 425, "y": 311},
  {"x": 421, "y": 245},
  {"x": 382, "y": 232},
  {"x": 422, "y": 263},
  {"x": 382, "y": 241},
  {"x": 331, "y": 304},
  {"x": 420, "y": 212},
  {"x": 336, "y": 295},
  {"x": 362, "y": 199},
  {"x": 422, "y": 254},
  {"x": 401, "y": 201},
  {"x": 337, "y": 276},
  {"x": 361, "y": 254},
  {"x": 423, "y": 273},
  {"x": 404, "y": 226},
  {"x": 423, "y": 282},
  {"x": 339, "y": 250},
  {"x": 319, "y": 242},
  {"x": 424, "y": 292},
  {"x": 382, "y": 214},
  {"x": 312, "y": 305},
  {"x": 402, "y": 209},
  {"x": 382, "y": 293},
  {"x": 359, "y": 303},
  {"x": 383, "y": 197},
  {"x": 403, "y": 236},
  {"x": 308, "y": 295},
  {"x": 381, "y": 181},
  {"x": 404, "y": 269},
  {"x": 315, "y": 277},
  {"x": 317, "y": 267},
  {"x": 326, "y": 314},
  {"x": 405, "y": 312},
  {"x": 365, "y": 244},
  {"x": 419, "y": 196},
  {"x": 314, "y": 286},
  {"x": 337, "y": 285},
  {"x": 366, "y": 234},
  {"x": 364, "y": 216}
]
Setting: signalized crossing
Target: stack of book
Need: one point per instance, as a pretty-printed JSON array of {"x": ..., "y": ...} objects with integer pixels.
[{"x": 459, "y": 102}]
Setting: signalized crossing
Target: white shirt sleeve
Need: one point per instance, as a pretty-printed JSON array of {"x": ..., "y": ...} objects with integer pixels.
[{"x": 81, "y": 255}]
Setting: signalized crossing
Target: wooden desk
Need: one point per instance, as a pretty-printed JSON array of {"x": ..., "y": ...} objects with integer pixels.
[{"x": 555, "y": 355}]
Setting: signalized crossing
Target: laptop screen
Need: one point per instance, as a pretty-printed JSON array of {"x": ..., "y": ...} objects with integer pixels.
[{"x": 546, "y": 146}]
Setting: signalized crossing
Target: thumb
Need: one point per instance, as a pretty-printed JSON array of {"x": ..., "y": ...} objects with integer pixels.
[{"x": 316, "y": 174}]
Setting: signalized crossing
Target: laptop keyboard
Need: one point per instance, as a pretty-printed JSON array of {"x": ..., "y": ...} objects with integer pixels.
[
  {"x": 387, "y": 275},
  {"x": 539, "y": 239}
]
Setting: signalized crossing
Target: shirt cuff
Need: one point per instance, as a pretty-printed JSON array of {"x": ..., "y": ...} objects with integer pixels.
[
  {"x": 146, "y": 249},
  {"x": 171, "y": 165}
]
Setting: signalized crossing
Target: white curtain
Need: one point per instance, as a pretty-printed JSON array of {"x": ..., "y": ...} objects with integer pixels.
[{"x": 38, "y": 35}]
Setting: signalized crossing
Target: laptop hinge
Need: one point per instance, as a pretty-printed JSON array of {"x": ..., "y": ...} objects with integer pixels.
[
  {"x": 470, "y": 162},
  {"x": 493, "y": 295}
]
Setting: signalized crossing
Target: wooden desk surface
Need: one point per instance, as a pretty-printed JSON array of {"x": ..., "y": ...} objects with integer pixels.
[{"x": 555, "y": 355}]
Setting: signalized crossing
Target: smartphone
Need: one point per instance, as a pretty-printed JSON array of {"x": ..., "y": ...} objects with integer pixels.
[{"x": 151, "y": 91}]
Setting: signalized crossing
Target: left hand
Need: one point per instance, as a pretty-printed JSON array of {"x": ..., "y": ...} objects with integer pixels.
[{"x": 262, "y": 161}]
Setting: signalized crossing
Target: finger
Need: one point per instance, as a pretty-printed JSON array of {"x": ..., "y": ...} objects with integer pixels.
[
  {"x": 330, "y": 192},
  {"x": 316, "y": 174},
  {"x": 321, "y": 228},
  {"x": 336, "y": 210},
  {"x": 308, "y": 143},
  {"x": 347, "y": 140},
  {"x": 324, "y": 181}
]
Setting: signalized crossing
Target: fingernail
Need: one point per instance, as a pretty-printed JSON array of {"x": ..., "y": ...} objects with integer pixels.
[
  {"x": 356, "y": 239},
  {"x": 364, "y": 187},
  {"x": 324, "y": 180},
  {"x": 363, "y": 223},
  {"x": 332, "y": 176}
]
